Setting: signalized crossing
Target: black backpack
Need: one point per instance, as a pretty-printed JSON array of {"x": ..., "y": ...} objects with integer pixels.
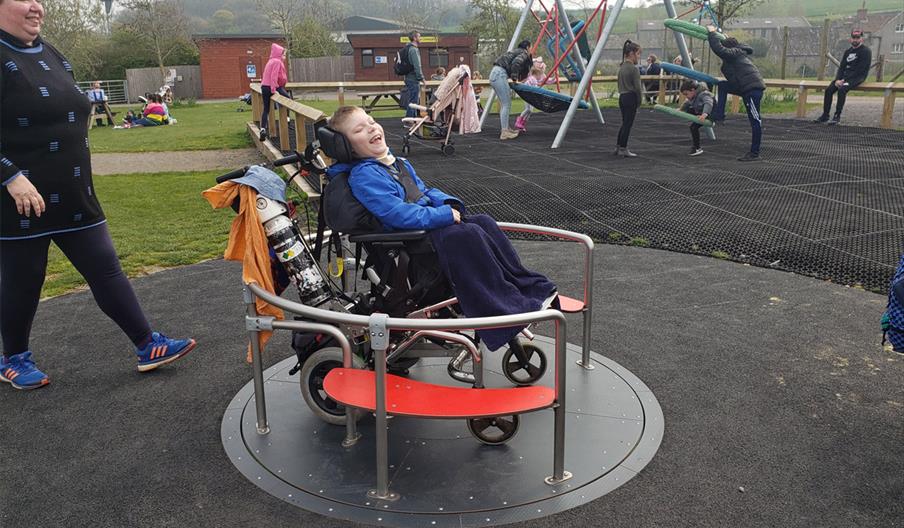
[{"x": 402, "y": 66}]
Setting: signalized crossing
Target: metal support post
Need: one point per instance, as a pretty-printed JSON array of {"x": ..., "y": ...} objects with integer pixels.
[
  {"x": 527, "y": 9},
  {"x": 379, "y": 342},
  {"x": 588, "y": 310},
  {"x": 579, "y": 61},
  {"x": 585, "y": 80},
  {"x": 559, "y": 474},
  {"x": 257, "y": 369},
  {"x": 685, "y": 56}
]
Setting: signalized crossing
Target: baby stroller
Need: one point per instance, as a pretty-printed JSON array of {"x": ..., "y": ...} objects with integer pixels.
[
  {"x": 400, "y": 278},
  {"x": 445, "y": 108}
]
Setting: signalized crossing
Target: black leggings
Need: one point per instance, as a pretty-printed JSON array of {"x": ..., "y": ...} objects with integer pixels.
[
  {"x": 23, "y": 264},
  {"x": 627, "y": 103},
  {"x": 267, "y": 92}
]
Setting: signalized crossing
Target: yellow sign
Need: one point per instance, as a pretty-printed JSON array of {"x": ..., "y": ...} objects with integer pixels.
[{"x": 425, "y": 39}]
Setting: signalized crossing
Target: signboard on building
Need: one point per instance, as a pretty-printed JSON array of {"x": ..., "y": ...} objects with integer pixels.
[
  {"x": 251, "y": 71},
  {"x": 380, "y": 59},
  {"x": 425, "y": 39}
]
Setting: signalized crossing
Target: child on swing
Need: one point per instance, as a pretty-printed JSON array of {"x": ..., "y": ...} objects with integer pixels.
[
  {"x": 537, "y": 73},
  {"x": 698, "y": 102}
]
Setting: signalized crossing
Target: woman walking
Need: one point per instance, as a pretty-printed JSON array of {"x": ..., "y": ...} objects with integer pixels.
[{"x": 48, "y": 195}]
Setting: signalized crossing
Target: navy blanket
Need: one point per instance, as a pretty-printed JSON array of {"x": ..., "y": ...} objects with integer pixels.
[{"x": 487, "y": 276}]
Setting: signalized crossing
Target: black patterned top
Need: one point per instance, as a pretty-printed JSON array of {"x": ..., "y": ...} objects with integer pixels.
[{"x": 44, "y": 137}]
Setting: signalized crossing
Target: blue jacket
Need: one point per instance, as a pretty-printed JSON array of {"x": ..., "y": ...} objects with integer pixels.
[{"x": 383, "y": 196}]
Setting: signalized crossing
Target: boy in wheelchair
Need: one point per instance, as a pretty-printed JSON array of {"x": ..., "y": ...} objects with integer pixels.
[{"x": 474, "y": 255}]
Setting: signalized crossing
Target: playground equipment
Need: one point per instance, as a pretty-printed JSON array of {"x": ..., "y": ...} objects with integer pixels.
[
  {"x": 555, "y": 28},
  {"x": 690, "y": 73},
  {"x": 683, "y": 115},
  {"x": 690, "y": 29},
  {"x": 704, "y": 9},
  {"x": 544, "y": 100}
]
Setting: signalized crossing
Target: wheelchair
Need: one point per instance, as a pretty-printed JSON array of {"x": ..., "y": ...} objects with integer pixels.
[{"x": 395, "y": 273}]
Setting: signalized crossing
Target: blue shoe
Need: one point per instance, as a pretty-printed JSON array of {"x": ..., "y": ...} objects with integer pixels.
[
  {"x": 162, "y": 350},
  {"x": 20, "y": 372}
]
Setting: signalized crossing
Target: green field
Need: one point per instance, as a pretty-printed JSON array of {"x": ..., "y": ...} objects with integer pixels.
[
  {"x": 156, "y": 221},
  {"x": 199, "y": 127}
]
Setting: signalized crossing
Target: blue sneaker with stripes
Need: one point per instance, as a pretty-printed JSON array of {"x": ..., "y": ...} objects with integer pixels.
[
  {"x": 20, "y": 372},
  {"x": 162, "y": 350}
]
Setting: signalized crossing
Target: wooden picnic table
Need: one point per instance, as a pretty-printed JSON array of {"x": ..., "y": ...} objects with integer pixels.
[{"x": 370, "y": 100}]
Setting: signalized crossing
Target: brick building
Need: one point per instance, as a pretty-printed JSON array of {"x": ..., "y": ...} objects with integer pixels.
[
  {"x": 230, "y": 62},
  {"x": 375, "y": 53}
]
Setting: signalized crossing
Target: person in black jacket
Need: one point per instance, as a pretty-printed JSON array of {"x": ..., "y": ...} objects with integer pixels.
[
  {"x": 652, "y": 87},
  {"x": 852, "y": 71},
  {"x": 48, "y": 195},
  {"x": 514, "y": 65},
  {"x": 741, "y": 78}
]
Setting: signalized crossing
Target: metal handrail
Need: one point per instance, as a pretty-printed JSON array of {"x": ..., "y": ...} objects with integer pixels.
[{"x": 572, "y": 236}]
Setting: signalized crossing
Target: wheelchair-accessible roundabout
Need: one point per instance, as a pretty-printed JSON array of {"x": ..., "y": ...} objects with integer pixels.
[{"x": 439, "y": 473}]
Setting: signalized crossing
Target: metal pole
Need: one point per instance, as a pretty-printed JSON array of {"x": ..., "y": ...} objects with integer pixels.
[
  {"x": 685, "y": 56},
  {"x": 585, "y": 80},
  {"x": 511, "y": 46},
  {"x": 558, "y": 458},
  {"x": 579, "y": 61},
  {"x": 588, "y": 309},
  {"x": 379, "y": 339},
  {"x": 257, "y": 370}
]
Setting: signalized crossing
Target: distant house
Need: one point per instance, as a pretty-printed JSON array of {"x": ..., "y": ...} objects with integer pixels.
[
  {"x": 230, "y": 62},
  {"x": 365, "y": 25},
  {"x": 766, "y": 28},
  {"x": 374, "y": 53}
]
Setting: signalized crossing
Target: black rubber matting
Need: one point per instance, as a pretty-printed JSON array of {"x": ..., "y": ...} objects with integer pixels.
[
  {"x": 825, "y": 201},
  {"x": 444, "y": 476}
]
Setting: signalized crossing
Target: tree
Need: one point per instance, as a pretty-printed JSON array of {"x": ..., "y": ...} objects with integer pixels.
[
  {"x": 726, "y": 10},
  {"x": 72, "y": 27},
  {"x": 288, "y": 15},
  {"x": 493, "y": 23},
  {"x": 223, "y": 21},
  {"x": 159, "y": 24},
  {"x": 313, "y": 39}
]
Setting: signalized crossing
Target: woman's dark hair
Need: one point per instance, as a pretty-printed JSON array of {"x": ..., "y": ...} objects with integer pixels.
[
  {"x": 730, "y": 42},
  {"x": 688, "y": 86},
  {"x": 629, "y": 47},
  {"x": 524, "y": 44}
]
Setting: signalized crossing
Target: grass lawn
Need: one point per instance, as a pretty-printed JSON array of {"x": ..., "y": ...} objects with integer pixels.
[
  {"x": 200, "y": 127},
  {"x": 156, "y": 221}
]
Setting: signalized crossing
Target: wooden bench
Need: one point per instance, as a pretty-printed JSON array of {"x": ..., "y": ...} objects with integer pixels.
[
  {"x": 890, "y": 90},
  {"x": 369, "y": 100},
  {"x": 106, "y": 112}
]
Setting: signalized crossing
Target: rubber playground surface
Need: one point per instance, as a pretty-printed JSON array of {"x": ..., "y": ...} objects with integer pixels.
[{"x": 824, "y": 201}]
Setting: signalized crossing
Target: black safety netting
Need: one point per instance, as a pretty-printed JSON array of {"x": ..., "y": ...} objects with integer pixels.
[{"x": 824, "y": 201}]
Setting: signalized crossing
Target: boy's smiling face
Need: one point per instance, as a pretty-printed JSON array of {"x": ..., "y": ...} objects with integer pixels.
[{"x": 365, "y": 136}]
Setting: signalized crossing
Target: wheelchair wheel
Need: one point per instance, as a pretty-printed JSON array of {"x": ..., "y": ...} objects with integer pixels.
[
  {"x": 447, "y": 150},
  {"x": 313, "y": 372},
  {"x": 495, "y": 430},
  {"x": 523, "y": 368}
]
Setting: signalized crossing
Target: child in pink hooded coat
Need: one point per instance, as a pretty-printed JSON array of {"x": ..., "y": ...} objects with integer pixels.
[{"x": 273, "y": 80}]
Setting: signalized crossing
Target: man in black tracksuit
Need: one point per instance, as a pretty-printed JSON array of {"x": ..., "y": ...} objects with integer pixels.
[
  {"x": 741, "y": 78},
  {"x": 852, "y": 70}
]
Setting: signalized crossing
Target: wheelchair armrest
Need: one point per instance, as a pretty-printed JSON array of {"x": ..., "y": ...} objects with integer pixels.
[{"x": 399, "y": 236}]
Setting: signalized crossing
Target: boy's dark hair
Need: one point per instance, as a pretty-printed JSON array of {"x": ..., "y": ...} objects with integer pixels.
[
  {"x": 730, "y": 42},
  {"x": 688, "y": 86},
  {"x": 629, "y": 47},
  {"x": 524, "y": 44}
]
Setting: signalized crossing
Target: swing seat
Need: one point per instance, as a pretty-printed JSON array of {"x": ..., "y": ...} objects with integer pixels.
[
  {"x": 689, "y": 73},
  {"x": 690, "y": 29},
  {"x": 674, "y": 112},
  {"x": 545, "y": 100}
]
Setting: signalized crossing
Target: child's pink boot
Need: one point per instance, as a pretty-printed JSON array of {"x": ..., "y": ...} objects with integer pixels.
[{"x": 519, "y": 124}]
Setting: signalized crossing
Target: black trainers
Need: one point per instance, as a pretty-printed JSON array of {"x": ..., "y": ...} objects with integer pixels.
[
  {"x": 750, "y": 156},
  {"x": 835, "y": 120},
  {"x": 821, "y": 119},
  {"x": 263, "y": 134},
  {"x": 696, "y": 151}
]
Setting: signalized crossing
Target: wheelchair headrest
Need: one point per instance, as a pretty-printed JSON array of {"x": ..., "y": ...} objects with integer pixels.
[{"x": 334, "y": 145}]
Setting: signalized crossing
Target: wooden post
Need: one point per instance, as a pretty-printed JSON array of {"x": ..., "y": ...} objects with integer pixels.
[
  {"x": 256, "y": 107},
  {"x": 801, "y": 100},
  {"x": 273, "y": 118},
  {"x": 888, "y": 107},
  {"x": 301, "y": 132},
  {"x": 823, "y": 50},
  {"x": 880, "y": 67},
  {"x": 735, "y": 104},
  {"x": 784, "y": 50},
  {"x": 284, "y": 143},
  {"x": 662, "y": 82},
  {"x": 341, "y": 94}
]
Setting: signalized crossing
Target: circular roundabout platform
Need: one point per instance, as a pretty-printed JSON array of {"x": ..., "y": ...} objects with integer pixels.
[{"x": 443, "y": 475}]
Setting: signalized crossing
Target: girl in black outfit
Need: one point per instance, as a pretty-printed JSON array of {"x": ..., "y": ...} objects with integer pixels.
[
  {"x": 47, "y": 195},
  {"x": 630, "y": 95}
]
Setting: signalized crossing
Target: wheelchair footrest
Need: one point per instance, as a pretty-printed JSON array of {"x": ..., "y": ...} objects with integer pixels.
[
  {"x": 406, "y": 397},
  {"x": 569, "y": 305}
]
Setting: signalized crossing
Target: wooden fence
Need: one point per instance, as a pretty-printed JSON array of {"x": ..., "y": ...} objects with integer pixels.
[
  {"x": 147, "y": 80},
  {"x": 323, "y": 69}
]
